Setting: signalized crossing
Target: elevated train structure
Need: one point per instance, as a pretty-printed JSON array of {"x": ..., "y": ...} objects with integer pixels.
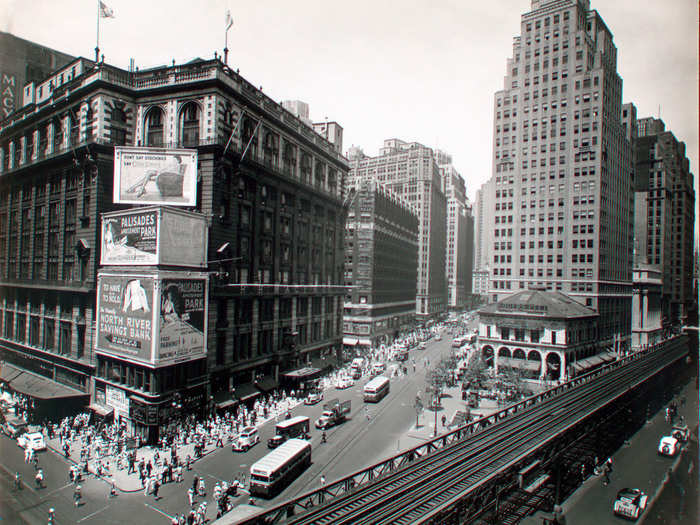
[{"x": 500, "y": 468}]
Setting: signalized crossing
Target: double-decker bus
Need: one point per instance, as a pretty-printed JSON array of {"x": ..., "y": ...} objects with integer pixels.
[
  {"x": 272, "y": 473},
  {"x": 376, "y": 389}
]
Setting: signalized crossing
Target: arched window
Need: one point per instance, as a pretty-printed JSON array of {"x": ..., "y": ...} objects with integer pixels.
[
  {"x": 290, "y": 159},
  {"x": 153, "y": 124},
  {"x": 306, "y": 168},
  {"x": 271, "y": 148},
  {"x": 249, "y": 130},
  {"x": 189, "y": 125},
  {"x": 320, "y": 175}
]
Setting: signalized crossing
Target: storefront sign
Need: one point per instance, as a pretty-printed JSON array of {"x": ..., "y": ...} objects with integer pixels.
[
  {"x": 155, "y": 176},
  {"x": 116, "y": 398}
]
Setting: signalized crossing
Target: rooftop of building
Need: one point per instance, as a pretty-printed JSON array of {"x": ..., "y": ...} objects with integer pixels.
[
  {"x": 540, "y": 303},
  {"x": 82, "y": 72}
]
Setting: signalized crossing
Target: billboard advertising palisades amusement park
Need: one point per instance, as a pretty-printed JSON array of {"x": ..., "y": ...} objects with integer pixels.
[
  {"x": 155, "y": 318},
  {"x": 154, "y": 235}
]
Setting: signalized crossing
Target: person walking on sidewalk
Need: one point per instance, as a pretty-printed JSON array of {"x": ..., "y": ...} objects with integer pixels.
[{"x": 190, "y": 496}]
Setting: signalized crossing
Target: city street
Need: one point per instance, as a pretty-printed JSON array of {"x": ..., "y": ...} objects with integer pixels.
[{"x": 350, "y": 446}]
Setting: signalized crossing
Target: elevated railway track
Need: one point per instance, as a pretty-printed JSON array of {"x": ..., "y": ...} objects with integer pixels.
[{"x": 459, "y": 476}]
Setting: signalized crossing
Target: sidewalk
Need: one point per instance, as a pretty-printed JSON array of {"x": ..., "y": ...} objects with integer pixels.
[
  {"x": 450, "y": 402},
  {"x": 125, "y": 482}
]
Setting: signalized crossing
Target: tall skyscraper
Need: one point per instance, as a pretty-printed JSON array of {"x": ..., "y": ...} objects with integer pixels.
[
  {"x": 563, "y": 200},
  {"x": 665, "y": 214},
  {"x": 409, "y": 170}
]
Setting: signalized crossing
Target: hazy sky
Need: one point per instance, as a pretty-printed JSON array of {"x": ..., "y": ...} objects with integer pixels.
[{"x": 419, "y": 70}]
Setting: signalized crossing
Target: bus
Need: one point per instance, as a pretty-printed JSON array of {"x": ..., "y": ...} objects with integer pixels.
[
  {"x": 272, "y": 473},
  {"x": 289, "y": 428},
  {"x": 376, "y": 389}
]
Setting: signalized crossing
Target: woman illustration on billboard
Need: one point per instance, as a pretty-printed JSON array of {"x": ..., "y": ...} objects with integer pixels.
[
  {"x": 171, "y": 305},
  {"x": 135, "y": 297}
]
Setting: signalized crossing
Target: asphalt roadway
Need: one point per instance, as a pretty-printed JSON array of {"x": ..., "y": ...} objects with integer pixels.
[{"x": 368, "y": 436}]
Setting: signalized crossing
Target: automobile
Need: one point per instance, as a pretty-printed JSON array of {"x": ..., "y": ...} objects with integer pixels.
[
  {"x": 313, "y": 398},
  {"x": 249, "y": 437},
  {"x": 422, "y": 346},
  {"x": 344, "y": 382},
  {"x": 630, "y": 503},
  {"x": 681, "y": 433},
  {"x": 438, "y": 337},
  {"x": 33, "y": 440},
  {"x": 378, "y": 369},
  {"x": 669, "y": 446},
  {"x": 14, "y": 426}
]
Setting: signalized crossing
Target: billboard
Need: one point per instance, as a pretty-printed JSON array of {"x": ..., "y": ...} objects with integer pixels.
[
  {"x": 153, "y": 236},
  {"x": 155, "y": 176},
  {"x": 130, "y": 238},
  {"x": 154, "y": 318},
  {"x": 125, "y": 316},
  {"x": 182, "y": 328}
]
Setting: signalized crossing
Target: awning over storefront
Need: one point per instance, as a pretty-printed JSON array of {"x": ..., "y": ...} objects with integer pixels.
[
  {"x": 524, "y": 364},
  {"x": 302, "y": 373},
  {"x": 224, "y": 399},
  {"x": 101, "y": 410},
  {"x": 39, "y": 387},
  {"x": 352, "y": 341},
  {"x": 245, "y": 391},
  {"x": 266, "y": 384},
  {"x": 587, "y": 362},
  {"x": 608, "y": 357},
  {"x": 9, "y": 372},
  {"x": 322, "y": 363}
]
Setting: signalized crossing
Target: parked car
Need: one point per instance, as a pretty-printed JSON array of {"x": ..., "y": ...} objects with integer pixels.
[
  {"x": 669, "y": 446},
  {"x": 248, "y": 438},
  {"x": 14, "y": 426},
  {"x": 33, "y": 440},
  {"x": 630, "y": 503},
  {"x": 681, "y": 433},
  {"x": 313, "y": 398},
  {"x": 344, "y": 382}
]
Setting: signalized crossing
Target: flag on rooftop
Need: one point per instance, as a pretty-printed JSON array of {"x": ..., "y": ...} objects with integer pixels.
[
  {"x": 229, "y": 19},
  {"x": 105, "y": 11}
]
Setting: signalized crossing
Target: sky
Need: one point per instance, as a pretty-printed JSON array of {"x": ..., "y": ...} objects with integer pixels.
[{"x": 418, "y": 70}]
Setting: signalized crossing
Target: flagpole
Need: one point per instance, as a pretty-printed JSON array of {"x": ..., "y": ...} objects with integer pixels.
[
  {"x": 228, "y": 26},
  {"x": 97, "y": 45}
]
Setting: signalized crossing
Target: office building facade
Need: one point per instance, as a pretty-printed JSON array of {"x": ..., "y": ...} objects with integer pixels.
[
  {"x": 381, "y": 265},
  {"x": 410, "y": 171},
  {"x": 270, "y": 188},
  {"x": 665, "y": 215},
  {"x": 562, "y": 168}
]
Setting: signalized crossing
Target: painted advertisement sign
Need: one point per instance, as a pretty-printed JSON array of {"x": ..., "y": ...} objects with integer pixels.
[
  {"x": 155, "y": 318},
  {"x": 117, "y": 399},
  {"x": 125, "y": 317},
  {"x": 154, "y": 235},
  {"x": 155, "y": 176},
  {"x": 130, "y": 238},
  {"x": 182, "y": 328}
]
